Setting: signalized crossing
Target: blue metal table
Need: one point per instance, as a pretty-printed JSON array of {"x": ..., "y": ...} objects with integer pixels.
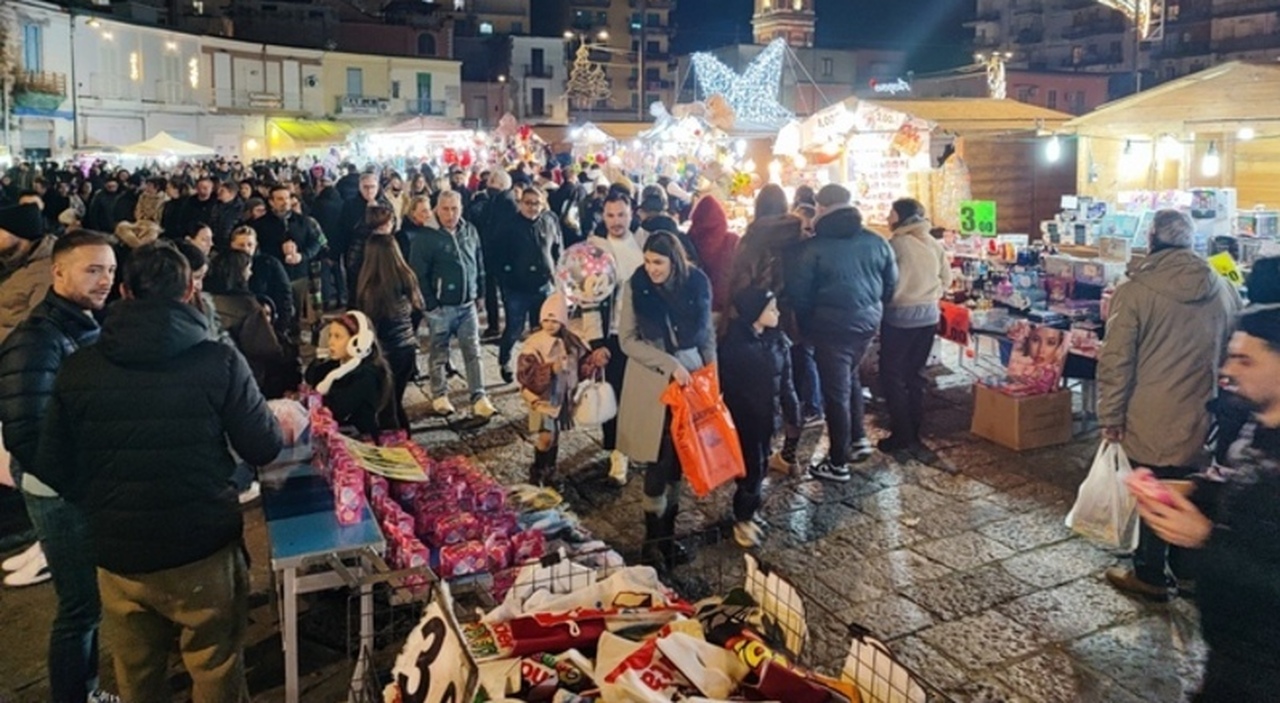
[{"x": 310, "y": 550}]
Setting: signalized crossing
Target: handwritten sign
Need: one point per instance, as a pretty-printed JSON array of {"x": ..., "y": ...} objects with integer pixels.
[{"x": 978, "y": 217}]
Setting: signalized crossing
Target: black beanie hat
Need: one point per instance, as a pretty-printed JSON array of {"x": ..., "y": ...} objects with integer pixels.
[
  {"x": 22, "y": 221},
  {"x": 1264, "y": 281},
  {"x": 750, "y": 302}
]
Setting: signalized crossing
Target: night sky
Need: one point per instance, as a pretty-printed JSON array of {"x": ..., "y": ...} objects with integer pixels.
[{"x": 930, "y": 31}]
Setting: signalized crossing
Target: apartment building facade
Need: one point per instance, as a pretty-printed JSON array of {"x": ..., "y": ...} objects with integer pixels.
[{"x": 634, "y": 50}]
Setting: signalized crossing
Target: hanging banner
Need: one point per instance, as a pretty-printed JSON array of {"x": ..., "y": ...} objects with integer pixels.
[{"x": 978, "y": 217}]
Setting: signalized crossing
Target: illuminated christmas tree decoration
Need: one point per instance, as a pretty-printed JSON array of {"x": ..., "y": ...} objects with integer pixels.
[{"x": 752, "y": 95}]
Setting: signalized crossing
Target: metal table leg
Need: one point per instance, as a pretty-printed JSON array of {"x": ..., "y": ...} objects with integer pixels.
[{"x": 289, "y": 635}]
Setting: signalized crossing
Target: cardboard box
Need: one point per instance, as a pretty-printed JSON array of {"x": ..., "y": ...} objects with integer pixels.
[{"x": 1022, "y": 423}]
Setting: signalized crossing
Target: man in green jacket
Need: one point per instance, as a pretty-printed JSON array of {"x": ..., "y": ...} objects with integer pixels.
[{"x": 450, "y": 269}]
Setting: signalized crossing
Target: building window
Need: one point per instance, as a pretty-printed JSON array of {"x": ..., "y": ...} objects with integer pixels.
[
  {"x": 798, "y": 5},
  {"x": 395, "y": 90},
  {"x": 355, "y": 82},
  {"x": 486, "y": 28},
  {"x": 426, "y": 44},
  {"x": 653, "y": 19},
  {"x": 828, "y": 67},
  {"x": 197, "y": 6},
  {"x": 32, "y": 47},
  {"x": 1052, "y": 102},
  {"x": 1115, "y": 48},
  {"x": 1077, "y": 54},
  {"x": 652, "y": 47}
]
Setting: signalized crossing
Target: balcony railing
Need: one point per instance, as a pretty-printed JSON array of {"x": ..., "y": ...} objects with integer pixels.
[
  {"x": 46, "y": 82},
  {"x": 110, "y": 86},
  {"x": 1096, "y": 27},
  {"x": 589, "y": 3},
  {"x": 426, "y": 106},
  {"x": 1024, "y": 8},
  {"x": 169, "y": 93},
  {"x": 1029, "y": 36},
  {"x": 1250, "y": 43},
  {"x": 226, "y": 99},
  {"x": 1107, "y": 58},
  {"x": 1237, "y": 8},
  {"x": 1181, "y": 49},
  {"x": 652, "y": 4},
  {"x": 652, "y": 28},
  {"x": 651, "y": 84},
  {"x": 543, "y": 71},
  {"x": 362, "y": 105}
]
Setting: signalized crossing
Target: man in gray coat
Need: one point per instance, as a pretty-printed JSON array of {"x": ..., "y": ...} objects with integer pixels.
[{"x": 1166, "y": 333}]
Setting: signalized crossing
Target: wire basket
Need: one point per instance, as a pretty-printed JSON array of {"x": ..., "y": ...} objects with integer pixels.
[{"x": 816, "y": 638}]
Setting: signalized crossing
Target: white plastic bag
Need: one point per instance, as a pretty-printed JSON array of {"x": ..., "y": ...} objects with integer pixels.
[
  {"x": 1105, "y": 512},
  {"x": 594, "y": 403}
]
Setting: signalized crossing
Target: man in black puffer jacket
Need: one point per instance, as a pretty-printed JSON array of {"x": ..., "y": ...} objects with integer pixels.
[
  {"x": 139, "y": 435},
  {"x": 84, "y": 267},
  {"x": 838, "y": 286},
  {"x": 530, "y": 247}
]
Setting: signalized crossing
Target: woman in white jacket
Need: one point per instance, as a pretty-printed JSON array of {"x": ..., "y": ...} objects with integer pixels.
[{"x": 910, "y": 319}]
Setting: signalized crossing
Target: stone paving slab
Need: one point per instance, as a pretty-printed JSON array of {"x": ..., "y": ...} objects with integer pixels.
[{"x": 972, "y": 579}]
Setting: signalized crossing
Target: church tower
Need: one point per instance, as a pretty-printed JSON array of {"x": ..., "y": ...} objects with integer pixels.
[{"x": 792, "y": 20}]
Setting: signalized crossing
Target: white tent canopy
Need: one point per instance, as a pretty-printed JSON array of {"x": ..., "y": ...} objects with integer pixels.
[{"x": 165, "y": 144}]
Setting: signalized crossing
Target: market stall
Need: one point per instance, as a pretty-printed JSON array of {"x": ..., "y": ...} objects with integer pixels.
[
  {"x": 291, "y": 137},
  {"x": 941, "y": 151}
]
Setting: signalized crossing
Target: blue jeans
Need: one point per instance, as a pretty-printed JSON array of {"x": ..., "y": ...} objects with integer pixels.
[
  {"x": 517, "y": 306},
  {"x": 838, "y": 359},
  {"x": 445, "y": 323},
  {"x": 73, "y": 642}
]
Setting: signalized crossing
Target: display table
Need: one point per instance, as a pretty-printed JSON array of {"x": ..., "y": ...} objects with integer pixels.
[{"x": 311, "y": 552}]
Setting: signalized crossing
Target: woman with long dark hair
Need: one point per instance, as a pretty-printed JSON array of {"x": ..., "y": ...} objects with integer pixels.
[
  {"x": 245, "y": 319},
  {"x": 388, "y": 293},
  {"x": 665, "y": 329}
]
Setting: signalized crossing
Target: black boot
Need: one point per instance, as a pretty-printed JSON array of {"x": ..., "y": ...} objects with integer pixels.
[
  {"x": 538, "y": 471},
  {"x": 674, "y": 553},
  {"x": 652, "y": 552}
]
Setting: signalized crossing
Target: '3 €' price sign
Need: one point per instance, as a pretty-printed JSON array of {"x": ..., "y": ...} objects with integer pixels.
[{"x": 978, "y": 217}]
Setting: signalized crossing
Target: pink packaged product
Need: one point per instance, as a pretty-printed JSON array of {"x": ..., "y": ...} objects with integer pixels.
[
  {"x": 348, "y": 497},
  {"x": 498, "y": 549},
  {"x": 392, "y": 438},
  {"x": 489, "y": 498},
  {"x": 377, "y": 485},
  {"x": 406, "y": 491},
  {"x": 527, "y": 546},
  {"x": 452, "y": 528},
  {"x": 503, "y": 522},
  {"x": 461, "y": 559}
]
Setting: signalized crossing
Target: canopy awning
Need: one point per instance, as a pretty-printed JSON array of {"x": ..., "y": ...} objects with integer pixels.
[
  {"x": 165, "y": 144},
  {"x": 312, "y": 131}
]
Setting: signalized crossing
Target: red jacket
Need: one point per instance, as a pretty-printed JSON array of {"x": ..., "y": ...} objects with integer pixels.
[{"x": 709, "y": 230}]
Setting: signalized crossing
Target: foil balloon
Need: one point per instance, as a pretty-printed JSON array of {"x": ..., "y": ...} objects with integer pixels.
[{"x": 587, "y": 274}]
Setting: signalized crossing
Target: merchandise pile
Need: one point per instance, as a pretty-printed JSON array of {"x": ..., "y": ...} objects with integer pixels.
[{"x": 568, "y": 633}]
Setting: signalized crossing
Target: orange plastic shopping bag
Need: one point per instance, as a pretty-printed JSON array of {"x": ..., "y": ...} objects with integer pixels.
[{"x": 702, "y": 430}]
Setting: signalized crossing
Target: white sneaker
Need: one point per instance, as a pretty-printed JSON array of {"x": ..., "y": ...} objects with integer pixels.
[
  {"x": 747, "y": 534},
  {"x": 250, "y": 494},
  {"x": 484, "y": 408},
  {"x": 101, "y": 696},
  {"x": 34, "y": 571},
  {"x": 618, "y": 467},
  {"x": 19, "y": 560},
  {"x": 442, "y": 406}
]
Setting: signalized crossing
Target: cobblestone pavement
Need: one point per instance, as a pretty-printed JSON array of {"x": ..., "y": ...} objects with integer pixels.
[{"x": 971, "y": 578}]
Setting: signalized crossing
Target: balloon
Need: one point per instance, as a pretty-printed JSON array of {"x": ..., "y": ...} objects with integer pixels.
[
  {"x": 525, "y": 131},
  {"x": 465, "y": 160},
  {"x": 450, "y": 156},
  {"x": 587, "y": 274}
]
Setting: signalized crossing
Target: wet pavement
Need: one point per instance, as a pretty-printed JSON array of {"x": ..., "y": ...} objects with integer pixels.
[{"x": 971, "y": 578}]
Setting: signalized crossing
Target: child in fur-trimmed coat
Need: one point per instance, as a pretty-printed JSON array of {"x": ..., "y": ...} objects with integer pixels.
[{"x": 550, "y": 365}]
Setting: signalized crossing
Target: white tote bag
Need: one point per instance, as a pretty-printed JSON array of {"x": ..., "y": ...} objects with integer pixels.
[
  {"x": 1105, "y": 512},
  {"x": 594, "y": 403}
]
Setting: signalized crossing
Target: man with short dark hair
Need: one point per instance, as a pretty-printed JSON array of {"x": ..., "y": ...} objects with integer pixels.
[
  {"x": 838, "y": 286},
  {"x": 84, "y": 267},
  {"x": 226, "y": 213},
  {"x": 655, "y": 217},
  {"x": 527, "y": 256},
  {"x": 139, "y": 435},
  {"x": 198, "y": 207}
]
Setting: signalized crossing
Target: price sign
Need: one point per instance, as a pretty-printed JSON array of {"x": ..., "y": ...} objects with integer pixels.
[
  {"x": 435, "y": 666},
  {"x": 978, "y": 217}
]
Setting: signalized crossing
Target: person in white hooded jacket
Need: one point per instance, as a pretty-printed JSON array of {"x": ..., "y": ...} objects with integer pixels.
[{"x": 910, "y": 319}]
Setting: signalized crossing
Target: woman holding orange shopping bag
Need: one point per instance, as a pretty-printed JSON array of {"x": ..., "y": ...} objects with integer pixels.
[{"x": 665, "y": 330}]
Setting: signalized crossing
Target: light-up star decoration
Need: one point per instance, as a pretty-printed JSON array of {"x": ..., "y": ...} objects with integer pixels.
[
  {"x": 752, "y": 95},
  {"x": 1141, "y": 12}
]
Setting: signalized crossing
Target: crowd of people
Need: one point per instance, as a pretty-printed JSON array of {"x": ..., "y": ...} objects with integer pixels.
[{"x": 148, "y": 318}]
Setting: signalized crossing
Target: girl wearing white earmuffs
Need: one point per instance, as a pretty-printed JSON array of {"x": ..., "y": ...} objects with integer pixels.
[{"x": 355, "y": 380}]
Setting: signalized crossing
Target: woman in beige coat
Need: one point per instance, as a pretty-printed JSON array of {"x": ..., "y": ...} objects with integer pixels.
[{"x": 665, "y": 330}]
